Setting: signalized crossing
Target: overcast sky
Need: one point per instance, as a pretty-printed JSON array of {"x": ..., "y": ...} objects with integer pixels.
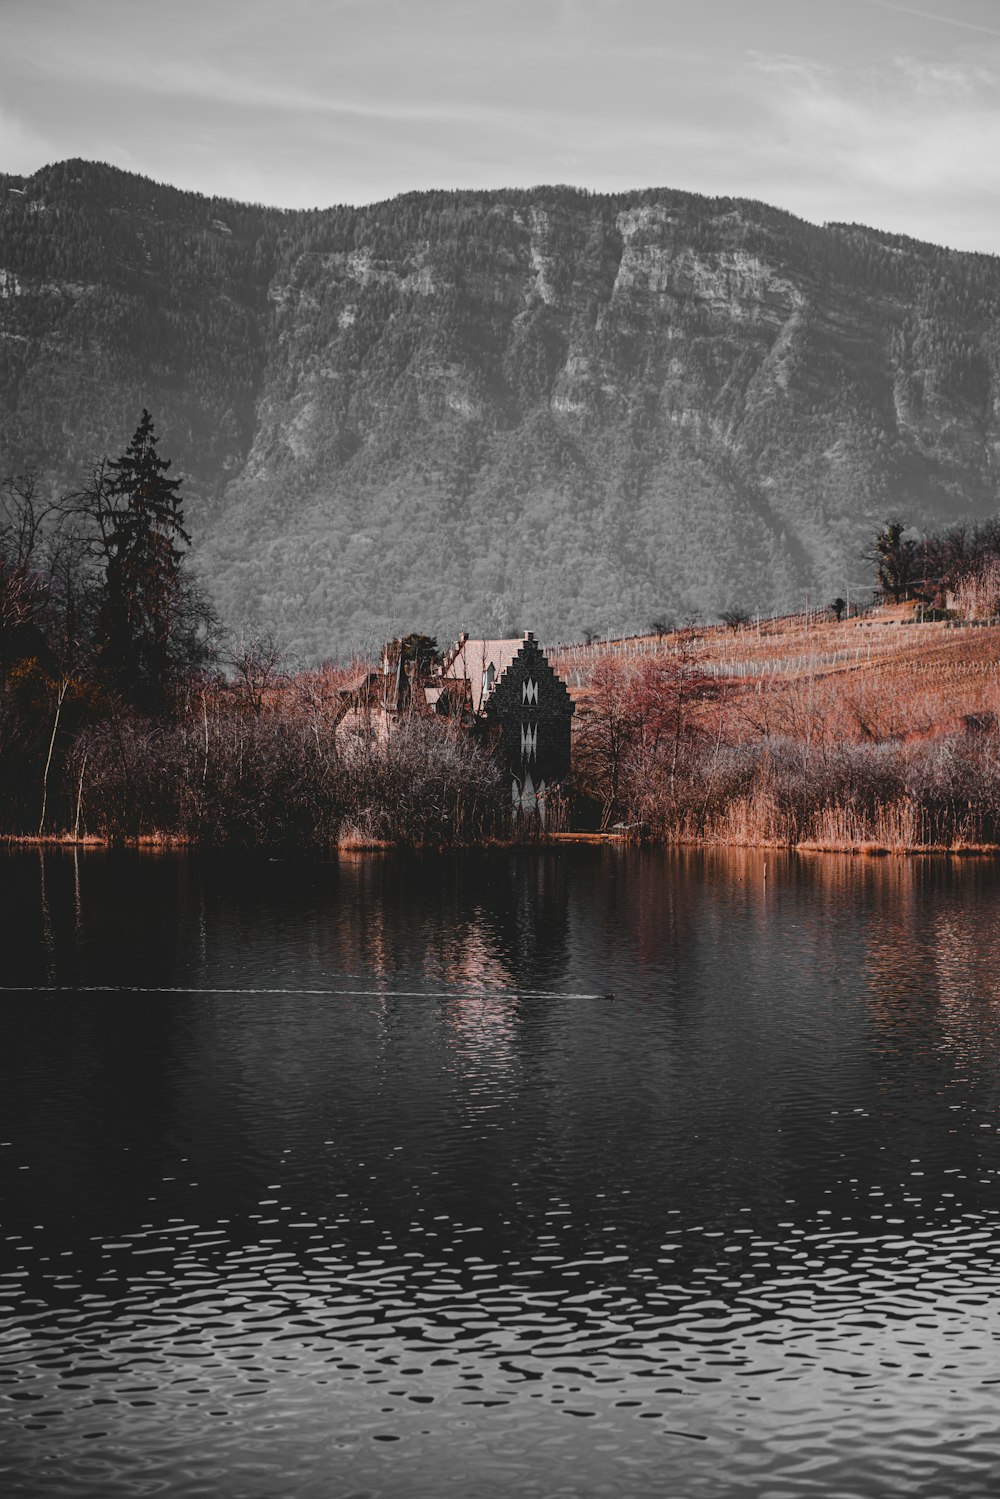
[{"x": 885, "y": 113}]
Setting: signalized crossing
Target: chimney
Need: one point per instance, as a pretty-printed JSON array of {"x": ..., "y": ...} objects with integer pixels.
[{"x": 528, "y": 635}]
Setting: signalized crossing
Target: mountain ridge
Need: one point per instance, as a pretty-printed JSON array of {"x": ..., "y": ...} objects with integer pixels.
[{"x": 541, "y": 407}]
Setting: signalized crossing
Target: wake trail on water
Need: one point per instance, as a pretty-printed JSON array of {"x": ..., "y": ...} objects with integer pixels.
[{"x": 346, "y": 993}]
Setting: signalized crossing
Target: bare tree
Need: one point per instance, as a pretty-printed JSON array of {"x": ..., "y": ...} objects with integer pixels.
[
  {"x": 735, "y": 617},
  {"x": 257, "y": 663},
  {"x": 21, "y": 521},
  {"x": 44, "y": 614},
  {"x": 605, "y": 731}
]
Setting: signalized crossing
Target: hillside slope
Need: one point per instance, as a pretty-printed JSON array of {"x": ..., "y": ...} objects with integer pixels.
[{"x": 537, "y": 407}]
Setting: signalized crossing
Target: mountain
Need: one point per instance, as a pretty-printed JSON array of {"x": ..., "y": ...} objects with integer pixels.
[{"x": 538, "y": 407}]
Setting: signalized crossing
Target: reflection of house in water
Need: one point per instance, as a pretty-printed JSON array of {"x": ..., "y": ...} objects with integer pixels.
[
  {"x": 505, "y": 691},
  {"x": 510, "y": 928},
  {"x": 490, "y": 920}
]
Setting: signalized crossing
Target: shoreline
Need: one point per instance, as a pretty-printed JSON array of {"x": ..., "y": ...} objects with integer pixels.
[{"x": 354, "y": 845}]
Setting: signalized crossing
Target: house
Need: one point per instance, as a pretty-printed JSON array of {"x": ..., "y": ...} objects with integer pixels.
[
  {"x": 367, "y": 711},
  {"x": 523, "y": 707},
  {"x": 406, "y": 686},
  {"x": 504, "y": 691}
]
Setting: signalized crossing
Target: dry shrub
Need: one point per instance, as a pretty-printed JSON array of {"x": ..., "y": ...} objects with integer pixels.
[
  {"x": 425, "y": 783},
  {"x": 229, "y": 777},
  {"x": 977, "y": 591},
  {"x": 941, "y": 794},
  {"x": 225, "y": 777}
]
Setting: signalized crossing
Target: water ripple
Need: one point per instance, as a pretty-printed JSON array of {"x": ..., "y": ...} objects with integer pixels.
[{"x": 735, "y": 1233}]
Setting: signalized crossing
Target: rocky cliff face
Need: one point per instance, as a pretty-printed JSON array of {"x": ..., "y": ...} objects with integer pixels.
[{"x": 539, "y": 408}]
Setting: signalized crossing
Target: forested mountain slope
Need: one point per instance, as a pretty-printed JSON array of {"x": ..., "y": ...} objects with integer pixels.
[{"x": 538, "y": 408}]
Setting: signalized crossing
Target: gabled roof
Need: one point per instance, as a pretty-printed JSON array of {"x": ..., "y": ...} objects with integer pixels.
[
  {"x": 471, "y": 659},
  {"x": 505, "y": 696},
  {"x": 446, "y": 699}
]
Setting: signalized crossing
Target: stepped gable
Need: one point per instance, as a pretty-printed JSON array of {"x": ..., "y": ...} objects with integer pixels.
[
  {"x": 529, "y": 684},
  {"x": 529, "y": 710}
]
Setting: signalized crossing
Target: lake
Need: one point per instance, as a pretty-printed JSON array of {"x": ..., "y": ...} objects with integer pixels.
[{"x": 579, "y": 1171}]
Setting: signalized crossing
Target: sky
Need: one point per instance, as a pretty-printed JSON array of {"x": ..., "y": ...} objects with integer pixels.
[{"x": 870, "y": 111}]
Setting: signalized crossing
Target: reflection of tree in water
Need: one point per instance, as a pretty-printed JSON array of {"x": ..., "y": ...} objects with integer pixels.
[
  {"x": 928, "y": 940},
  {"x": 968, "y": 973},
  {"x": 934, "y": 963},
  {"x": 928, "y": 977}
]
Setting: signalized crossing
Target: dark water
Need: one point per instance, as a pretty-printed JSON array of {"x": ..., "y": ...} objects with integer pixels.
[{"x": 584, "y": 1172}]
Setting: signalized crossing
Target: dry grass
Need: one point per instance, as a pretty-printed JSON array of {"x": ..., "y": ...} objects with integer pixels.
[
  {"x": 96, "y": 840},
  {"x": 354, "y": 840},
  {"x": 861, "y": 680},
  {"x": 877, "y": 735},
  {"x": 586, "y": 838},
  {"x": 55, "y": 840},
  {"x": 896, "y": 827}
]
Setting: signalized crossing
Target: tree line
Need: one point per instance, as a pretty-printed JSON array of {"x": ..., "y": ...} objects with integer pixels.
[
  {"x": 957, "y": 569},
  {"x": 125, "y": 711}
]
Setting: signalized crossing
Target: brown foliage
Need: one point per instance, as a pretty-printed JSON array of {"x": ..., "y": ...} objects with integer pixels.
[{"x": 635, "y": 730}]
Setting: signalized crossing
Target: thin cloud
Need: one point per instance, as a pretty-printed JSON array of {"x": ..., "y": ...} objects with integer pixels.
[
  {"x": 21, "y": 147},
  {"x": 200, "y": 80},
  {"x": 905, "y": 133},
  {"x": 926, "y": 15},
  {"x": 786, "y": 64},
  {"x": 960, "y": 80},
  {"x": 354, "y": 100}
]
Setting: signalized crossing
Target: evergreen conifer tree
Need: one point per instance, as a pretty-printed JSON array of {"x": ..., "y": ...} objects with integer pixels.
[{"x": 143, "y": 540}]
